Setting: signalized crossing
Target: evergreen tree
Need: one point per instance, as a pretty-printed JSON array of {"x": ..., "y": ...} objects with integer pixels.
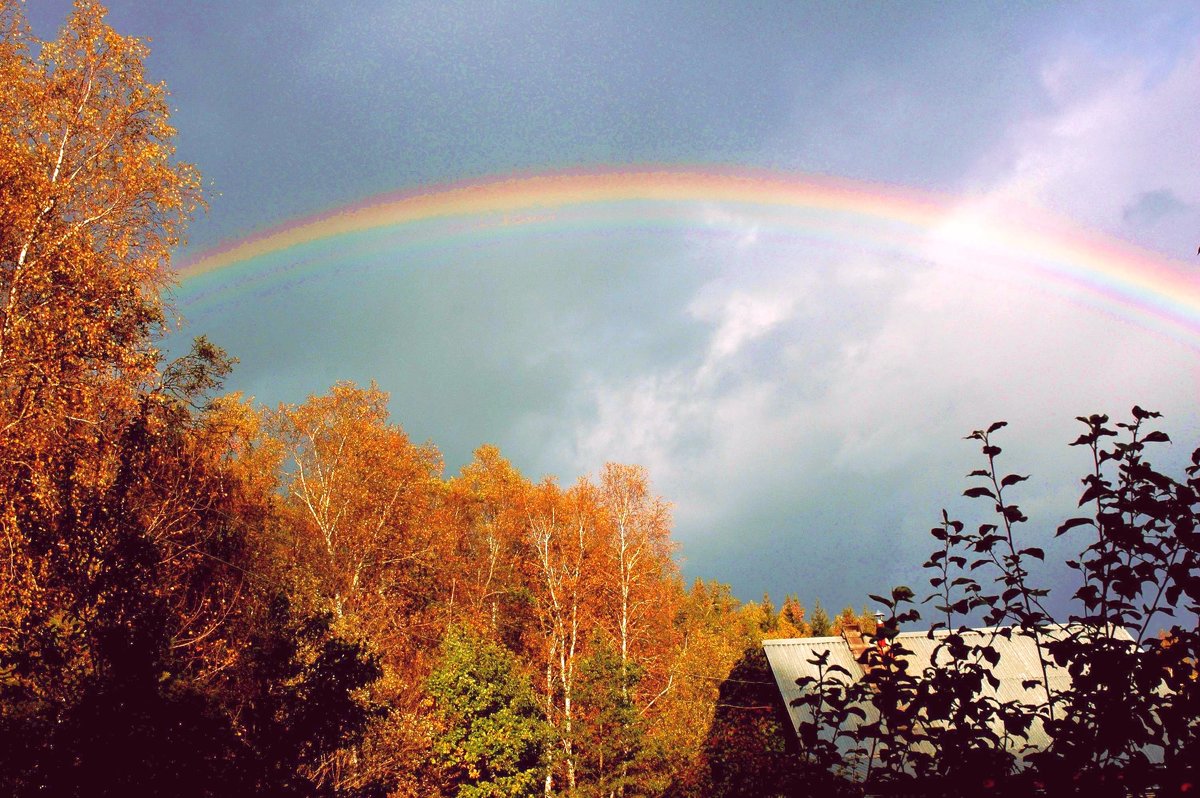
[
  {"x": 610, "y": 737},
  {"x": 820, "y": 623}
]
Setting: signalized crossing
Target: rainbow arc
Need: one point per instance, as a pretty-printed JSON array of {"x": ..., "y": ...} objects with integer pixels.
[{"x": 1118, "y": 278}]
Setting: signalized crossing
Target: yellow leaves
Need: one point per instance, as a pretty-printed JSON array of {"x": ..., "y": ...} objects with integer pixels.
[
  {"x": 362, "y": 503},
  {"x": 90, "y": 204}
]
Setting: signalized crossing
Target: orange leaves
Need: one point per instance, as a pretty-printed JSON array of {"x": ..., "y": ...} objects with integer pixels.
[
  {"x": 486, "y": 505},
  {"x": 362, "y": 505},
  {"x": 643, "y": 583},
  {"x": 92, "y": 203},
  {"x": 102, "y": 492}
]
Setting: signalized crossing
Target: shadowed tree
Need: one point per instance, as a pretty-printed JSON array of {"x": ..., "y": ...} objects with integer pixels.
[
  {"x": 1126, "y": 722},
  {"x": 610, "y": 736},
  {"x": 91, "y": 203},
  {"x": 750, "y": 747}
]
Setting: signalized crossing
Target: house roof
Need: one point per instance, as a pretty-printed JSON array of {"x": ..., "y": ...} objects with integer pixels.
[{"x": 790, "y": 659}]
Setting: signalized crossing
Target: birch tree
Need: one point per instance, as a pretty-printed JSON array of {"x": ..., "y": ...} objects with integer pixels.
[
  {"x": 634, "y": 592},
  {"x": 562, "y": 528},
  {"x": 643, "y": 578},
  {"x": 362, "y": 503},
  {"x": 488, "y": 508},
  {"x": 91, "y": 203}
]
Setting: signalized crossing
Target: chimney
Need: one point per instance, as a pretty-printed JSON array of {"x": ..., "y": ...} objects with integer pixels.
[{"x": 853, "y": 635}]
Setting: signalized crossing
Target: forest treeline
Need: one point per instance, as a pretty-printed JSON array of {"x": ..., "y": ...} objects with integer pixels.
[
  {"x": 296, "y": 601},
  {"x": 200, "y": 596}
]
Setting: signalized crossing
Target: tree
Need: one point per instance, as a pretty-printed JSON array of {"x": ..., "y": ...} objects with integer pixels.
[
  {"x": 714, "y": 629},
  {"x": 748, "y": 749},
  {"x": 610, "y": 734},
  {"x": 302, "y": 700},
  {"x": 108, "y": 495},
  {"x": 366, "y": 539},
  {"x": 91, "y": 203},
  {"x": 113, "y": 686},
  {"x": 820, "y": 623},
  {"x": 864, "y": 620},
  {"x": 91, "y": 206},
  {"x": 361, "y": 500},
  {"x": 487, "y": 503},
  {"x": 639, "y": 545},
  {"x": 491, "y": 740},
  {"x": 642, "y": 587},
  {"x": 1133, "y": 697},
  {"x": 562, "y": 526},
  {"x": 790, "y": 622}
]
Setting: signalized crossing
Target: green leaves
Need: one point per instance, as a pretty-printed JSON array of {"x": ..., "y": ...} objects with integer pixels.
[{"x": 491, "y": 739}]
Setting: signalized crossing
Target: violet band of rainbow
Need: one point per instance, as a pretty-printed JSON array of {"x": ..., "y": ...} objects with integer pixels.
[{"x": 1144, "y": 287}]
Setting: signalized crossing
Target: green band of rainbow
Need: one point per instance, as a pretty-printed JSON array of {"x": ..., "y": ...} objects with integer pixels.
[{"x": 1146, "y": 287}]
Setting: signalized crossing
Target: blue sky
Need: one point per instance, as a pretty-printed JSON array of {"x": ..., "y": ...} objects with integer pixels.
[{"x": 801, "y": 404}]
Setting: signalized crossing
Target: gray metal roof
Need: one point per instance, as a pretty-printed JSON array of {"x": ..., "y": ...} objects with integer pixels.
[
  {"x": 1019, "y": 662},
  {"x": 789, "y": 660}
]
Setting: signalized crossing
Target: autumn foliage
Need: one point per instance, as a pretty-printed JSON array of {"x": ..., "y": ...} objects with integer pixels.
[{"x": 200, "y": 596}]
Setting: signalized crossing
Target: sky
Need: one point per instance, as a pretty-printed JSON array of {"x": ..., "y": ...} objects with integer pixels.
[{"x": 798, "y": 381}]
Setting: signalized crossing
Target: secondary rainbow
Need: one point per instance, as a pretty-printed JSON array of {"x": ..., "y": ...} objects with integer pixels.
[{"x": 1142, "y": 285}]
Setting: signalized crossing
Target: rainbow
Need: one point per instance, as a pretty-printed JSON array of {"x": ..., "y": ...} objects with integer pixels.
[{"x": 1140, "y": 286}]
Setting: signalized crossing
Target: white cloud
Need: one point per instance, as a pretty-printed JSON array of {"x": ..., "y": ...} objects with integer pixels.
[
  {"x": 739, "y": 318},
  {"x": 836, "y": 380},
  {"x": 1117, "y": 129},
  {"x": 794, "y": 392}
]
